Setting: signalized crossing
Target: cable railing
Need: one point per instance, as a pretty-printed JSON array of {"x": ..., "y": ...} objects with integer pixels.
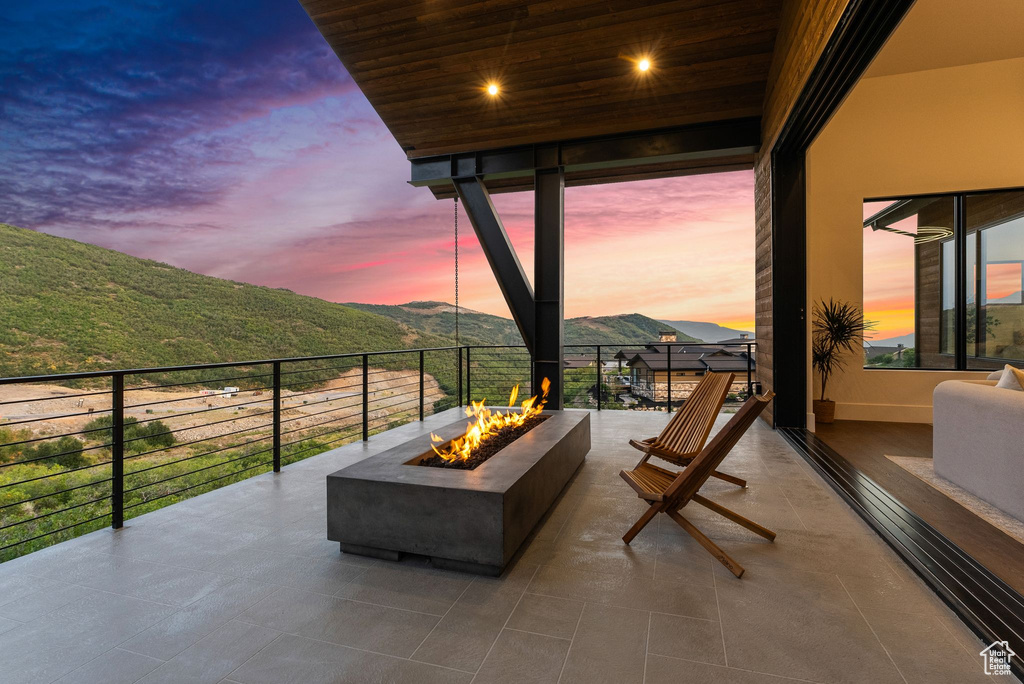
[{"x": 80, "y": 451}]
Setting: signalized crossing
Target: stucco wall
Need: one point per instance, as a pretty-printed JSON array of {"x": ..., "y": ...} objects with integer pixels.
[{"x": 942, "y": 130}]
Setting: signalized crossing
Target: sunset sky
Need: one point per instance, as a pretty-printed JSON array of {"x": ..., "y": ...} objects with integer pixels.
[{"x": 226, "y": 138}]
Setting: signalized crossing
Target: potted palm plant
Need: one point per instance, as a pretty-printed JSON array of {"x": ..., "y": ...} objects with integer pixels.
[{"x": 837, "y": 330}]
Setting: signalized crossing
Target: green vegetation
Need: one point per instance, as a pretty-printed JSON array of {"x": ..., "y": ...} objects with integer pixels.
[
  {"x": 138, "y": 437},
  {"x": 66, "y": 306},
  {"x": 66, "y": 452},
  {"x": 906, "y": 360}
]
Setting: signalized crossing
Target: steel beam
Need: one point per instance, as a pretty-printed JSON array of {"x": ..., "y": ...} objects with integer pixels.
[
  {"x": 548, "y": 270},
  {"x": 698, "y": 141},
  {"x": 500, "y": 254}
]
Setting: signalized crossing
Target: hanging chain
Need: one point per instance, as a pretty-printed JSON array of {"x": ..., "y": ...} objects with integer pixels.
[{"x": 456, "y": 271}]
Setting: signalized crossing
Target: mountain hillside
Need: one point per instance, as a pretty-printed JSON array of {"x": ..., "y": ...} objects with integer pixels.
[
  {"x": 905, "y": 340},
  {"x": 68, "y": 306},
  {"x": 438, "y": 318},
  {"x": 707, "y": 332}
]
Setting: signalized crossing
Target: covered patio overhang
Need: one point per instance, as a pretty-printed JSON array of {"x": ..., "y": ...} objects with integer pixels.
[{"x": 535, "y": 96}]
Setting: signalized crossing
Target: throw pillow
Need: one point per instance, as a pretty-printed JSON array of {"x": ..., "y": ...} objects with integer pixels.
[
  {"x": 1019, "y": 373},
  {"x": 996, "y": 375},
  {"x": 1010, "y": 379}
]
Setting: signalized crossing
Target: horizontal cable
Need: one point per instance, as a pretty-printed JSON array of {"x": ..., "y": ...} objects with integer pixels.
[
  {"x": 201, "y": 484},
  {"x": 355, "y": 429},
  {"x": 47, "y": 515},
  {"x": 59, "y": 529},
  {"x": 357, "y": 397},
  {"x": 409, "y": 402},
  {"x": 68, "y": 415},
  {"x": 321, "y": 390},
  {"x": 63, "y": 472},
  {"x": 404, "y": 399},
  {"x": 178, "y": 445},
  {"x": 195, "y": 456},
  {"x": 34, "y": 459},
  {"x": 199, "y": 382},
  {"x": 197, "y": 470},
  {"x": 196, "y": 427},
  {"x": 207, "y": 366},
  {"x": 47, "y": 437},
  {"x": 414, "y": 383},
  {"x": 301, "y": 428},
  {"x": 191, "y": 397},
  {"x": 310, "y": 415},
  {"x": 169, "y": 416},
  {"x": 354, "y": 433},
  {"x": 59, "y": 491},
  {"x": 323, "y": 368},
  {"x": 62, "y": 396}
]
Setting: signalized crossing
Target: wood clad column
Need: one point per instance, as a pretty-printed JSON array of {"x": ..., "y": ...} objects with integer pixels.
[{"x": 548, "y": 277}]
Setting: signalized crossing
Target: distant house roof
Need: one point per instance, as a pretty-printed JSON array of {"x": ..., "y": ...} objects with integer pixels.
[
  {"x": 718, "y": 361},
  {"x": 697, "y": 349},
  {"x": 870, "y": 350},
  {"x": 660, "y": 362},
  {"x": 626, "y": 354},
  {"x": 729, "y": 364},
  {"x": 578, "y": 360},
  {"x": 739, "y": 340}
]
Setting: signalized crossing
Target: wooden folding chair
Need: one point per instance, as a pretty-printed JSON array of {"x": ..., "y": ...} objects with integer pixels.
[
  {"x": 688, "y": 430},
  {"x": 667, "y": 492}
]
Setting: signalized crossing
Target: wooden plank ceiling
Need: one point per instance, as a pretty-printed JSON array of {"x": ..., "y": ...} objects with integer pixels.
[{"x": 566, "y": 68}]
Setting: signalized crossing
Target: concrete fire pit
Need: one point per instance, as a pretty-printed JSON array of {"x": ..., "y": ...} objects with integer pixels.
[{"x": 470, "y": 520}]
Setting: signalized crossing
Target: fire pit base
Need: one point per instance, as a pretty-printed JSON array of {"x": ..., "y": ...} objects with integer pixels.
[{"x": 467, "y": 520}]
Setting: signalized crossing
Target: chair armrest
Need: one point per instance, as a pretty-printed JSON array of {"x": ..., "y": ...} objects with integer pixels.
[{"x": 642, "y": 444}]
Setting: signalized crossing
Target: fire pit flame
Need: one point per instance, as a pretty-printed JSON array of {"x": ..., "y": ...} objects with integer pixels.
[{"x": 487, "y": 423}]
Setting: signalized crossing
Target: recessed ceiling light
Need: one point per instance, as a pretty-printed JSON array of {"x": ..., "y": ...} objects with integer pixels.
[
  {"x": 644, "y": 64},
  {"x": 492, "y": 89}
]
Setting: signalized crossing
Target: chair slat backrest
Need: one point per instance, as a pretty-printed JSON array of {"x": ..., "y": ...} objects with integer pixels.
[
  {"x": 692, "y": 423},
  {"x": 690, "y": 480}
]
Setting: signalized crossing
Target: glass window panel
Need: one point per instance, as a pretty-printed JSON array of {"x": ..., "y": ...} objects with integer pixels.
[
  {"x": 909, "y": 283},
  {"x": 995, "y": 254}
]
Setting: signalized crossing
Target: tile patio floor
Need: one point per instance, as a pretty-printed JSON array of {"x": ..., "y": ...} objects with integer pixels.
[{"x": 241, "y": 585}]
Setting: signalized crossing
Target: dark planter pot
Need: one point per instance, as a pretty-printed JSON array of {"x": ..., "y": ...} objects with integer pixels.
[{"x": 824, "y": 411}]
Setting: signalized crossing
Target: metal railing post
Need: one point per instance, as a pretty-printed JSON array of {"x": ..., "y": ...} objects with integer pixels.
[
  {"x": 530, "y": 374},
  {"x": 469, "y": 386},
  {"x": 459, "y": 352},
  {"x": 599, "y": 372},
  {"x": 668, "y": 389},
  {"x": 750, "y": 383},
  {"x": 117, "y": 452},
  {"x": 366, "y": 397},
  {"x": 277, "y": 416},
  {"x": 421, "y": 384}
]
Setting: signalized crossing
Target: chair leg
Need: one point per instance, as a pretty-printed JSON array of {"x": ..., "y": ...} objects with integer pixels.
[
  {"x": 730, "y": 478},
  {"x": 640, "y": 524},
  {"x": 723, "y": 558},
  {"x": 735, "y": 517}
]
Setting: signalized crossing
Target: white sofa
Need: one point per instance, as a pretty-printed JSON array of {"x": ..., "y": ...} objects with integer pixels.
[{"x": 978, "y": 441}]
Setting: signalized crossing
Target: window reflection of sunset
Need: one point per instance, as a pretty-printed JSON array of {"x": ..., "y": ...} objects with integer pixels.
[
  {"x": 889, "y": 276},
  {"x": 1002, "y": 280}
]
